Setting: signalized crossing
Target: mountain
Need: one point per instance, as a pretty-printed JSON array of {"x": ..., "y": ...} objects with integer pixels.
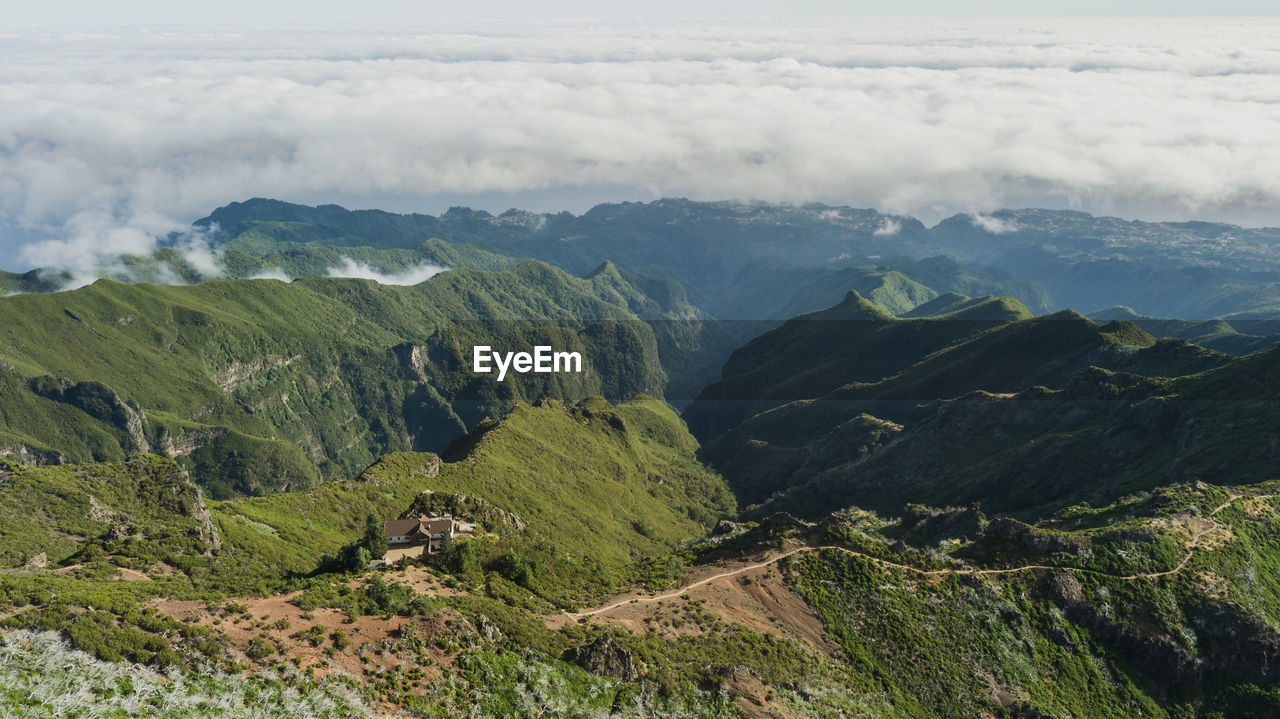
[
  {"x": 736, "y": 261},
  {"x": 701, "y": 245},
  {"x": 1048, "y": 259},
  {"x": 853, "y": 406},
  {"x": 809, "y": 355},
  {"x": 263, "y": 385},
  {"x": 582, "y": 492},
  {"x": 910, "y": 485},
  {"x": 1218, "y": 334},
  {"x": 1192, "y": 270},
  {"x": 32, "y": 281},
  {"x": 1154, "y": 603},
  {"x": 721, "y": 252}
]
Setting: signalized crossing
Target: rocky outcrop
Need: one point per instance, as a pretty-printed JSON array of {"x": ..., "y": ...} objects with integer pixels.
[
  {"x": 98, "y": 511},
  {"x": 781, "y": 522},
  {"x": 471, "y": 507},
  {"x": 606, "y": 658},
  {"x": 935, "y": 524},
  {"x": 31, "y": 457},
  {"x": 173, "y": 490},
  {"x": 242, "y": 374},
  {"x": 100, "y": 402},
  {"x": 1066, "y": 589},
  {"x": 206, "y": 532},
  {"x": 413, "y": 358},
  {"x": 1033, "y": 539},
  {"x": 186, "y": 441},
  {"x": 1097, "y": 383}
]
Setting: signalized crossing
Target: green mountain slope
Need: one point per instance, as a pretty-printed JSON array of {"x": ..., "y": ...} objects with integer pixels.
[
  {"x": 263, "y": 385},
  {"x": 815, "y": 353},
  {"x": 584, "y": 492},
  {"x": 1102, "y": 435},
  {"x": 595, "y": 487},
  {"x": 32, "y": 281},
  {"x": 52, "y": 513},
  {"x": 1150, "y": 606},
  {"x": 1217, "y": 334},
  {"x": 882, "y": 410}
]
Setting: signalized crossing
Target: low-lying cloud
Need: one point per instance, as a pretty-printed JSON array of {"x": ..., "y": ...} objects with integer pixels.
[
  {"x": 888, "y": 227},
  {"x": 274, "y": 273},
  {"x": 408, "y": 276},
  {"x": 112, "y": 138},
  {"x": 993, "y": 225}
]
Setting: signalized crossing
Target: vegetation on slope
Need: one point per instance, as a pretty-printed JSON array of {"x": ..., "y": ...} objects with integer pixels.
[
  {"x": 1238, "y": 337},
  {"x": 981, "y": 402},
  {"x": 262, "y": 385},
  {"x": 597, "y": 488},
  {"x": 41, "y": 676}
]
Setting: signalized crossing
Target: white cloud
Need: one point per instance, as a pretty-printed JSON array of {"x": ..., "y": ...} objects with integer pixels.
[
  {"x": 408, "y": 276},
  {"x": 274, "y": 273},
  {"x": 109, "y": 138},
  {"x": 888, "y": 227},
  {"x": 994, "y": 225}
]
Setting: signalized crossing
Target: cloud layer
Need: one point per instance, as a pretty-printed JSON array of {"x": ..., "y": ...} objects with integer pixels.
[{"x": 111, "y": 138}]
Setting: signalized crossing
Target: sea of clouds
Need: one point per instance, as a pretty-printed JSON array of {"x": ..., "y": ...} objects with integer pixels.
[{"x": 112, "y": 137}]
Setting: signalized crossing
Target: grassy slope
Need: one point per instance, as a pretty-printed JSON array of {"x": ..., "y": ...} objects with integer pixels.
[
  {"x": 601, "y": 490},
  {"x": 1103, "y": 435},
  {"x": 600, "y": 493},
  {"x": 1216, "y": 334},
  {"x": 318, "y": 363},
  {"x": 1084, "y": 643},
  {"x": 58, "y": 510},
  {"x": 809, "y": 355},
  {"x": 901, "y": 368}
]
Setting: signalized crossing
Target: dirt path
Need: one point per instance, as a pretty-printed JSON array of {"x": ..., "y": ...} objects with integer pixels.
[{"x": 1191, "y": 546}]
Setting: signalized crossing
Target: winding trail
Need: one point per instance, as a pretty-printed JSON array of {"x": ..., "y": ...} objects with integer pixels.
[{"x": 1192, "y": 543}]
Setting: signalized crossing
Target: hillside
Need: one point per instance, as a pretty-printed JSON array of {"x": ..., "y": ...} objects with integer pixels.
[
  {"x": 880, "y": 411},
  {"x": 587, "y": 493},
  {"x": 818, "y": 352},
  {"x": 263, "y": 385},
  {"x": 1161, "y": 602},
  {"x": 570, "y": 502},
  {"x": 596, "y": 488},
  {"x": 32, "y": 281},
  {"x": 1237, "y": 337},
  {"x": 723, "y": 253},
  {"x": 601, "y": 576}
]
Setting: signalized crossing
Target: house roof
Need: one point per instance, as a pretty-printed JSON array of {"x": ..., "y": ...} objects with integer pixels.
[
  {"x": 401, "y": 527},
  {"x": 407, "y": 527},
  {"x": 438, "y": 526}
]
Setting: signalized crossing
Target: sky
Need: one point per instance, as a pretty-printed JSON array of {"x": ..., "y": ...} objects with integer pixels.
[
  {"x": 59, "y": 12},
  {"x": 113, "y": 134}
]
